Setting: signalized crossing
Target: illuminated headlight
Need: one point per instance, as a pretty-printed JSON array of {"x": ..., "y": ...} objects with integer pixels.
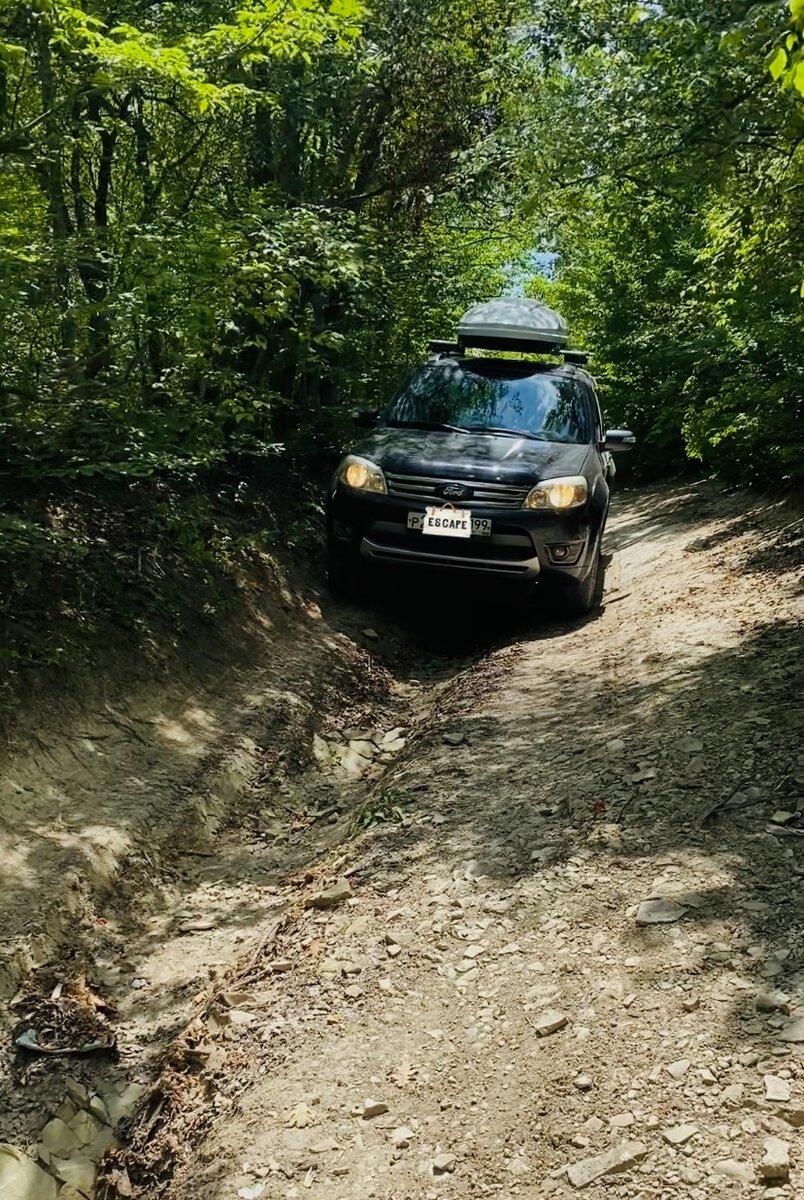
[
  {"x": 559, "y": 494},
  {"x": 361, "y": 474}
]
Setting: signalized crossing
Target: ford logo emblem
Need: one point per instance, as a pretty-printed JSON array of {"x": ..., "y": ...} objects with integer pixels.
[{"x": 455, "y": 491}]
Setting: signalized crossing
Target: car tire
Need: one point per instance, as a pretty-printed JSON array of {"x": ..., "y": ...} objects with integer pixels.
[
  {"x": 579, "y": 599},
  {"x": 342, "y": 574}
]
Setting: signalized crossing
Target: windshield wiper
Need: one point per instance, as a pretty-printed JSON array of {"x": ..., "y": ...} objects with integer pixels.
[
  {"x": 534, "y": 437},
  {"x": 428, "y": 425}
]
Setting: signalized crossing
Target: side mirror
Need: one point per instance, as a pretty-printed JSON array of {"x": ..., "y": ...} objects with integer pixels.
[
  {"x": 366, "y": 420},
  {"x": 619, "y": 439}
]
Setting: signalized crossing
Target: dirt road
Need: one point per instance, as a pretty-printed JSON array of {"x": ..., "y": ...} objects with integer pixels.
[{"x": 571, "y": 959}]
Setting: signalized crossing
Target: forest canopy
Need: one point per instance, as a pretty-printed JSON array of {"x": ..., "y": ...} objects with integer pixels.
[{"x": 224, "y": 224}]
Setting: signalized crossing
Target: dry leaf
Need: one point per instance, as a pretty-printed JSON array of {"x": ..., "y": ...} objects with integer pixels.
[
  {"x": 403, "y": 1073},
  {"x": 300, "y": 1117}
]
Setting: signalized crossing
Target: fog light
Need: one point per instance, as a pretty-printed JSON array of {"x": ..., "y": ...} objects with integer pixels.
[{"x": 566, "y": 553}]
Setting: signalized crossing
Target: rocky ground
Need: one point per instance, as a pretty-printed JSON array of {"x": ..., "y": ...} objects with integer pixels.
[{"x": 538, "y": 929}]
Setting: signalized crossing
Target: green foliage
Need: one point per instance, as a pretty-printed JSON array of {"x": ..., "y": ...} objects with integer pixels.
[{"x": 677, "y": 222}]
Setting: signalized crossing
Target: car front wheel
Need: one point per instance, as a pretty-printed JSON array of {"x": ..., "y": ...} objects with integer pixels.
[{"x": 581, "y": 598}]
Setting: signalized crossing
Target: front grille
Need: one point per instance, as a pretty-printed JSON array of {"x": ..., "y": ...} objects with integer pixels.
[
  {"x": 484, "y": 495},
  {"x": 514, "y": 549}
]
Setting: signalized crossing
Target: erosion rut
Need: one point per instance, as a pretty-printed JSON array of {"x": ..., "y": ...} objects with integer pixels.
[{"x": 493, "y": 1009}]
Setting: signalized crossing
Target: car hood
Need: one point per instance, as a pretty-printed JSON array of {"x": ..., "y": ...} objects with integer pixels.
[{"x": 480, "y": 456}]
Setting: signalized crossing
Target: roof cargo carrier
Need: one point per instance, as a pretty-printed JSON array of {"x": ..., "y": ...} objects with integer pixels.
[{"x": 513, "y": 324}]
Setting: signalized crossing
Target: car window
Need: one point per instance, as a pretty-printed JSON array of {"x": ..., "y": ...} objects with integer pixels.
[{"x": 551, "y": 407}]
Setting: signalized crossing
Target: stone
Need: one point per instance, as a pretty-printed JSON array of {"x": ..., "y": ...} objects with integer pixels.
[
  {"x": 691, "y": 1004},
  {"x": 373, "y": 1108},
  {"x": 659, "y": 912},
  {"x": 474, "y": 951},
  {"x": 776, "y": 1089},
  {"x": 121, "y": 1104},
  {"x": 622, "y": 1120},
  {"x": 550, "y": 1022},
  {"x": 354, "y": 991},
  {"x": 582, "y": 1082},
  {"x": 678, "y": 1135},
  {"x": 772, "y": 1002},
  {"x": 794, "y": 1116},
  {"x": 444, "y": 1164},
  {"x": 325, "y": 1145},
  {"x": 333, "y": 896},
  {"x": 732, "y": 1095},
  {"x": 78, "y": 1171},
  {"x": 794, "y": 1032},
  {"x": 733, "y": 1169},
  {"x": 402, "y": 1137},
  {"x": 22, "y": 1179},
  {"x": 454, "y": 739},
  {"x": 58, "y": 1138},
  {"x": 775, "y": 1165},
  {"x": 690, "y": 745},
  {"x": 783, "y": 817},
  {"x": 679, "y": 1068},
  {"x": 620, "y": 1158},
  {"x": 363, "y": 749},
  {"x": 77, "y": 1092},
  {"x": 321, "y": 751}
]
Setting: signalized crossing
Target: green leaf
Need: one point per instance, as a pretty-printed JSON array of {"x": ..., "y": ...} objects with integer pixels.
[{"x": 777, "y": 63}]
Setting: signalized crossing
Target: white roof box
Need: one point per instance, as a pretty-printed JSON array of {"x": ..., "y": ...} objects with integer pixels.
[{"x": 513, "y": 324}]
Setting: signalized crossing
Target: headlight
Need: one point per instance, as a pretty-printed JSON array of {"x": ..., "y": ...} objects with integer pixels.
[
  {"x": 559, "y": 494},
  {"x": 361, "y": 474}
]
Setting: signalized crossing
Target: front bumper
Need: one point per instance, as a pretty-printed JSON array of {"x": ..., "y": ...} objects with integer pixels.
[{"x": 522, "y": 544}]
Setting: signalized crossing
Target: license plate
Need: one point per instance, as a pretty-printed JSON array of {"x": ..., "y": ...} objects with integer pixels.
[{"x": 450, "y": 522}]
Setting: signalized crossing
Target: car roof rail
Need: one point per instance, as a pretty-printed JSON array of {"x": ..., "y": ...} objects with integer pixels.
[
  {"x": 437, "y": 347},
  {"x": 576, "y": 358}
]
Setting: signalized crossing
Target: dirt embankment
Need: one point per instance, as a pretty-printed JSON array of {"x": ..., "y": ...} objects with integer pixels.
[{"x": 489, "y": 981}]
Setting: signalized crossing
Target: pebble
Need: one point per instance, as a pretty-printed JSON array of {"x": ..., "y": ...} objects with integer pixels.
[
  {"x": 691, "y": 1004},
  {"x": 454, "y": 739},
  {"x": 402, "y": 1137},
  {"x": 772, "y": 1002},
  {"x": 733, "y": 1169},
  {"x": 622, "y": 1120},
  {"x": 677, "y": 1135},
  {"x": 444, "y": 1164},
  {"x": 679, "y": 1068},
  {"x": 794, "y": 1032},
  {"x": 619, "y": 1158},
  {"x": 582, "y": 1082},
  {"x": 550, "y": 1022},
  {"x": 776, "y": 1089},
  {"x": 775, "y": 1165},
  {"x": 331, "y": 897},
  {"x": 659, "y": 912},
  {"x": 373, "y": 1108}
]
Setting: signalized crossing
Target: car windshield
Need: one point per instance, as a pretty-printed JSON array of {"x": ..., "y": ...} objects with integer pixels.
[{"x": 461, "y": 397}]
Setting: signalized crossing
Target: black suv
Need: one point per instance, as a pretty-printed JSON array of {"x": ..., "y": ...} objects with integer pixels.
[{"x": 486, "y": 467}]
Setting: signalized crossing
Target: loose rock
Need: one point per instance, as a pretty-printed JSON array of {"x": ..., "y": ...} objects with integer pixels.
[
  {"x": 679, "y": 1069},
  {"x": 550, "y": 1022},
  {"x": 775, "y": 1165},
  {"x": 677, "y": 1135},
  {"x": 373, "y": 1108},
  {"x": 621, "y": 1158},
  {"x": 331, "y": 897},
  {"x": 733, "y": 1169},
  {"x": 444, "y": 1164},
  {"x": 776, "y": 1089},
  {"x": 659, "y": 912},
  {"x": 794, "y": 1032},
  {"x": 22, "y": 1179}
]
